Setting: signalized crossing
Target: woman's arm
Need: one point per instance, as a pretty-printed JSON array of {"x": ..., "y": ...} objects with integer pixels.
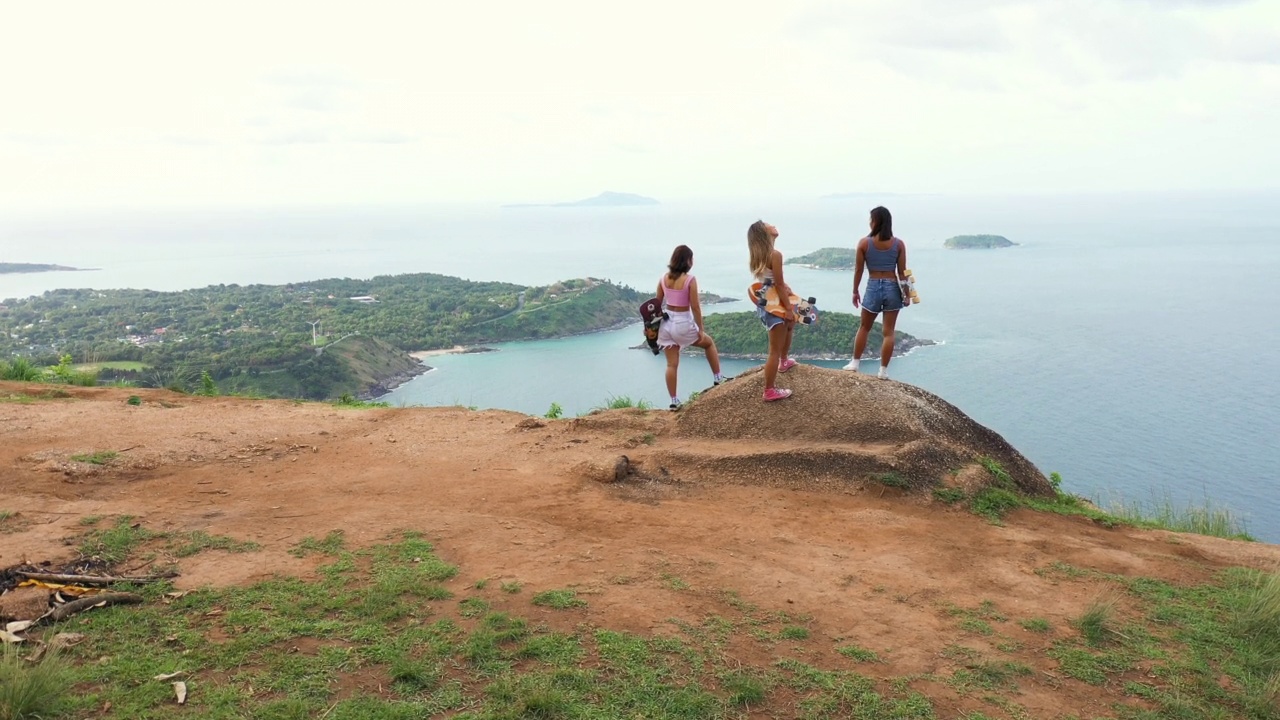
[
  {"x": 694, "y": 303},
  {"x": 859, "y": 263},
  {"x": 780, "y": 285},
  {"x": 661, "y": 293}
]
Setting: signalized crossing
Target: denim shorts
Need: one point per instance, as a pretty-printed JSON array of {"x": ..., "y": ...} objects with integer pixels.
[
  {"x": 882, "y": 296},
  {"x": 769, "y": 320}
]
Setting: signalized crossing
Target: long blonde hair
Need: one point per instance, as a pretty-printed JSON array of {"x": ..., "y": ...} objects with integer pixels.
[{"x": 760, "y": 243}]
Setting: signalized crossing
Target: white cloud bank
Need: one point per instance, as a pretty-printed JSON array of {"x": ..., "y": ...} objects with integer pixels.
[{"x": 153, "y": 104}]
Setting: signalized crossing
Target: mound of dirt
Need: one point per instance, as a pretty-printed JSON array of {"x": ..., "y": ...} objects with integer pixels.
[{"x": 841, "y": 425}]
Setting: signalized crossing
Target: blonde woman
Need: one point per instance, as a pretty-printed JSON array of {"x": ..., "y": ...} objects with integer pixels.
[{"x": 766, "y": 266}]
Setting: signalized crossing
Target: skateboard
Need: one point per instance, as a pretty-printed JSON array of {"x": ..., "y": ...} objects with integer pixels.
[
  {"x": 652, "y": 315},
  {"x": 766, "y": 296},
  {"x": 909, "y": 294}
]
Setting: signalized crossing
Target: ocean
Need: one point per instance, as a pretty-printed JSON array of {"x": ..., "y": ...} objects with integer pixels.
[{"x": 1130, "y": 343}]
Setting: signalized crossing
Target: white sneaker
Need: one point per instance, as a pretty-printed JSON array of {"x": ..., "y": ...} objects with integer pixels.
[
  {"x": 853, "y": 365},
  {"x": 884, "y": 373}
]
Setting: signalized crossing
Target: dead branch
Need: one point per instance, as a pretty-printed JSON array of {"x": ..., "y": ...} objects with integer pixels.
[{"x": 84, "y": 579}]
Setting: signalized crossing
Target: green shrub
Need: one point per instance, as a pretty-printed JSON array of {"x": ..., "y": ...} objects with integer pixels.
[
  {"x": 208, "y": 387},
  {"x": 994, "y": 502},
  {"x": 20, "y": 369},
  {"x": 618, "y": 402},
  {"x": 555, "y": 412}
]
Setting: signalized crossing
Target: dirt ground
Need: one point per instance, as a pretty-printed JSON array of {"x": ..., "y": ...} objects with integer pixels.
[{"x": 508, "y": 497}]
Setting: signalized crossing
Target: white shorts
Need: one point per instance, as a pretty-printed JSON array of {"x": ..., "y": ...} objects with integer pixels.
[{"x": 678, "y": 330}]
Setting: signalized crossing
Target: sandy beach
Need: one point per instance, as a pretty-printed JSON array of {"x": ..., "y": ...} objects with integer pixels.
[{"x": 423, "y": 354}]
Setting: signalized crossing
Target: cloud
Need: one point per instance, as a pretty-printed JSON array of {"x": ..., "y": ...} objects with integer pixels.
[
  {"x": 386, "y": 137},
  {"x": 315, "y": 89},
  {"x": 40, "y": 139},
  {"x": 296, "y": 137},
  {"x": 189, "y": 140}
]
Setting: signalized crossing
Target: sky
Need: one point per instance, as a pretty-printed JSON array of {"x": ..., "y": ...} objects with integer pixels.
[{"x": 174, "y": 104}]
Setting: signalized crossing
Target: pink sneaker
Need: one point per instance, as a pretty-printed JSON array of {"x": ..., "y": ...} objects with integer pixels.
[
  {"x": 786, "y": 365},
  {"x": 771, "y": 394}
]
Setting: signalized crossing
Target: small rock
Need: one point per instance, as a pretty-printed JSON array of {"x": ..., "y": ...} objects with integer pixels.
[
  {"x": 606, "y": 472},
  {"x": 530, "y": 423},
  {"x": 24, "y": 603}
]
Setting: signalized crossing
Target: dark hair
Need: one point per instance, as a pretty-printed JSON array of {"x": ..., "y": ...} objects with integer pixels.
[
  {"x": 681, "y": 261},
  {"x": 881, "y": 223}
]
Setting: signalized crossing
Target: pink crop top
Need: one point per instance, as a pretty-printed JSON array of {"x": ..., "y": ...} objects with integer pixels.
[{"x": 674, "y": 297}]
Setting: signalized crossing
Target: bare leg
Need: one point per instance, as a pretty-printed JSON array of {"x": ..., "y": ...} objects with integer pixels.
[
  {"x": 777, "y": 336},
  {"x": 673, "y": 364},
  {"x": 886, "y": 348},
  {"x": 713, "y": 356},
  {"x": 786, "y": 341},
  {"x": 860, "y": 340}
]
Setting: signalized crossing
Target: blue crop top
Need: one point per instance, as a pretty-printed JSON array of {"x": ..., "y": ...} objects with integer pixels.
[{"x": 883, "y": 260}]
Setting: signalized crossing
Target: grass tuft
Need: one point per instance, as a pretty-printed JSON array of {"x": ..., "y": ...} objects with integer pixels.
[
  {"x": 1036, "y": 625},
  {"x": 100, "y": 457},
  {"x": 1095, "y": 623},
  {"x": 853, "y": 652},
  {"x": 559, "y": 599},
  {"x": 618, "y": 402},
  {"x": 31, "y": 690},
  {"x": 1206, "y": 518},
  {"x": 332, "y": 544}
]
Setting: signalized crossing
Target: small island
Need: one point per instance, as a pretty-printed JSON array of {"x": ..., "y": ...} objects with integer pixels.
[
  {"x": 977, "y": 242},
  {"x": 32, "y": 268},
  {"x": 829, "y": 258},
  {"x": 604, "y": 199}
]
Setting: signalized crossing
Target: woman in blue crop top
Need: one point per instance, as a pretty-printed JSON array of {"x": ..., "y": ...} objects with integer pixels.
[
  {"x": 884, "y": 257},
  {"x": 682, "y": 328}
]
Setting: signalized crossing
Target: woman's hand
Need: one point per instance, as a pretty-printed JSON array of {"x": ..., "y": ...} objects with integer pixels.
[{"x": 857, "y": 300}]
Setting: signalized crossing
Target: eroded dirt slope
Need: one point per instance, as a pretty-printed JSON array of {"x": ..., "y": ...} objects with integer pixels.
[{"x": 506, "y": 497}]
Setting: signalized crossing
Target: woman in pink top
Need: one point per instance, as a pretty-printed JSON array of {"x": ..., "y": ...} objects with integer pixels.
[{"x": 678, "y": 292}]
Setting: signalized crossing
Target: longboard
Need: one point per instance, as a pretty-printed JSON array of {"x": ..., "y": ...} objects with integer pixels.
[
  {"x": 652, "y": 315},
  {"x": 766, "y": 296}
]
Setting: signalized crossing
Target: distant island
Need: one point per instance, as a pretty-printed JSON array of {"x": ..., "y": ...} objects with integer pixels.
[
  {"x": 604, "y": 199},
  {"x": 977, "y": 242},
  {"x": 829, "y": 258},
  {"x": 31, "y": 268}
]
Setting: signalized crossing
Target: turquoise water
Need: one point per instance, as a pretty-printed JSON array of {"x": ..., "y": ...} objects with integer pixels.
[{"x": 1131, "y": 344}]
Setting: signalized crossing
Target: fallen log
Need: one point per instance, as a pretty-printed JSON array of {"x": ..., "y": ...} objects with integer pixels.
[{"x": 62, "y": 612}]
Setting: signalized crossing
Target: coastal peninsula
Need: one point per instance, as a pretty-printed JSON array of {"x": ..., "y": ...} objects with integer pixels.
[
  {"x": 977, "y": 242},
  {"x": 828, "y": 258},
  {"x": 315, "y": 340},
  {"x": 738, "y": 336},
  {"x": 9, "y": 268},
  {"x": 604, "y": 199}
]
